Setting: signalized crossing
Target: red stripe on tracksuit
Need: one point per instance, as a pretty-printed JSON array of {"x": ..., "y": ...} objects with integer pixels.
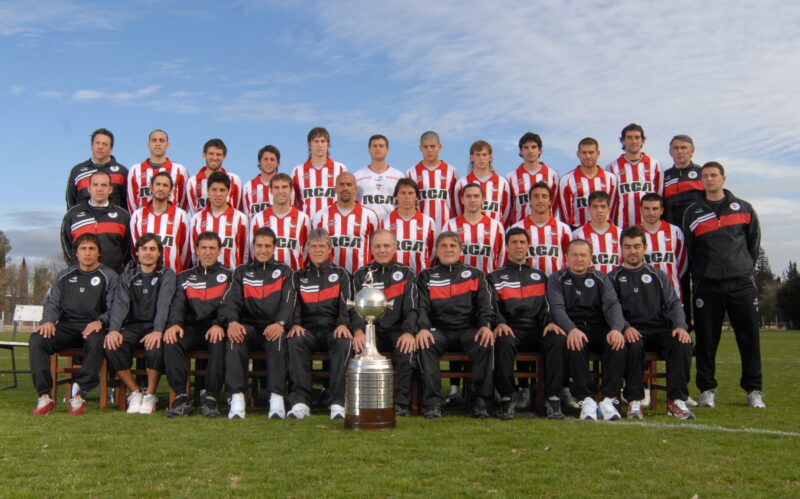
[
  {"x": 322, "y": 295},
  {"x": 508, "y": 293},
  {"x": 442, "y": 292},
  {"x": 723, "y": 221},
  {"x": 100, "y": 228},
  {"x": 206, "y": 294},
  {"x": 260, "y": 292}
]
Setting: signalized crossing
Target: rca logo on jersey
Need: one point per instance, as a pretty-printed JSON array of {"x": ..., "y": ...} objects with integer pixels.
[
  {"x": 319, "y": 192},
  {"x": 95, "y": 281},
  {"x": 590, "y": 283},
  {"x": 659, "y": 257},
  {"x": 466, "y": 274},
  {"x": 167, "y": 241},
  {"x": 397, "y": 275},
  {"x": 647, "y": 279},
  {"x": 227, "y": 242},
  {"x": 476, "y": 250},
  {"x": 258, "y": 207},
  {"x": 629, "y": 187},
  {"x": 333, "y": 277},
  {"x": 427, "y": 194},
  {"x": 492, "y": 206},
  {"x": 523, "y": 199},
  {"x": 605, "y": 259},
  {"x": 554, "y": 251},
  {"x": 377, "y": 199},
  {"x": 284, "y": 243},
  {"x": 582, "y": 202},
  {"x": 407, "y": 245},
  {"x": 222, "y": 278},
  {"x": 144, "y": 192},
  {"x": 345, "y": 242},
  {"x": 276, "y": 273}
]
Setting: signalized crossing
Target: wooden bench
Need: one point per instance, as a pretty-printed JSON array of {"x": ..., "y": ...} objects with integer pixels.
[{"x": 72, "y": 368}]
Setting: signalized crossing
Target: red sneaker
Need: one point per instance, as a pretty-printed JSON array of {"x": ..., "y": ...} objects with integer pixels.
[
  {"x": 43, "y": 406},
  {"x": 77, "y": 406},
  {"x": 678, "y": 409}
]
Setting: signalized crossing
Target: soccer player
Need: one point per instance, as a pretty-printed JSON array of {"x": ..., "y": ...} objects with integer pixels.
[
  {"x": 436, "y": 181},
  {"x": 224, "y": 220},
  {"x": 583, "y": 303},
  {"x": 415, "y": 232},
  {"x": 376, "y": 182},
  {"x": 75, "y": 315},
  {"x": 530, "y": 172},
  {"x": 722, "y": 240},
  {"x": 654, "y": 322},
  {"x": 455, "y": 314},
  {"x": 665, "y": 248},
  {"x": 682, "y": 184},
  {"x": 98, "y": 215},
  {"x": 497, "y": 193},
  {"x": 256, "y": 311},
  {"x": 601, "y": 233},
  {"x": 349, "y": 225},
  {"x": 257, "y": 195},
  {"x": 321, "y": 322},
  {"x": 395, "y": 330},
  {"x": 548, "y": 237},
  {"x": 289, "y": 224},
  {"x": 214, "y": 152},
  {"x": 141, "y": 174},
  {"x": 101, "y": 160},
  {"x": 637, "y": 174},
  {"x": 315, "y": 179},
  {"x": 193, "y": 325},
  {"x": 523, "y": 321},
  {"x": 483, "y": 246},
  {"x": 575, "y": 187},
  {"x": 166, "y": 220},
  {"x": 138, "y": 320}
]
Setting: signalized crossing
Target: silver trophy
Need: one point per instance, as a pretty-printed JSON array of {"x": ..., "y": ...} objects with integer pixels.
[{"x": 369, "y": 387}]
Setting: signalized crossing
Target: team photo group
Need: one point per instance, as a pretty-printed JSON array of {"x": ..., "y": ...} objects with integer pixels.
[{"x": 614, "y": 260}]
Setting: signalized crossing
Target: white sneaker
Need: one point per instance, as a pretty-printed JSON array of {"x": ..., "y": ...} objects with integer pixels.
[
  {"x": 134, "y": 402},
  {"x": 646, "y": 400},
  {"x": 691, "y": 402},
  {"x": 276, "y": 407},
  {"x": 635, "y": 410},
  {"x": 337, "y": 411},
  {"x": 237, "y": 406},
  {"x": 588, "y": 409},
  {"x": 708, "y": 398},
  {"x": 607, "y": 409},
  {"x": 756, "y": 399},
  {"x": 299, "y": 411},
  {"x": 149, "y": 403}
]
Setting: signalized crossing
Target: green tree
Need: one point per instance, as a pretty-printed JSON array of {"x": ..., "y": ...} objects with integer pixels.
[
  {"x": 788, "y": 296},
  {"x": 768, "y": 286},
  {"x": 42, "y": 278},
  {"x": 22, "y": 280},
  {"x": 5, "y": 249}
]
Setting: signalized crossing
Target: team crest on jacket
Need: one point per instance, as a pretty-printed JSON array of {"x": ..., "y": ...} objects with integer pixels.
[
  {"x": 466, "y": 274},
  {"x": 73, "y": 279},
  {"x": 222, "y": 278},
  {"x": 397, "y": 275},
  {"x": 735, "y": 206},
  {"x": 276, "y": 273},
  {"x": 113, "y": 214},
  {"x": 114, "y": 168},
  {"x": 622, "y": 278},
  {"x": 333, "y": 277},
  {"x": 153, "y": 281},
  {"x": 590, "y": 283},
  {"x": 692, "y": 174},
  {"x": 95, "y": 281},
  {"x": 535, "y": 276},
  {"x": 647, "y": 279},
  {"x": 699, "y": 303}
]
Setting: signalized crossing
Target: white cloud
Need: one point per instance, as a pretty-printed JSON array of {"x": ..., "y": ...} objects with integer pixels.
[
  {"x": 25, "y": 19},
  {"x": 16, "y": 90},
  {"x": 89, "y": 95}
]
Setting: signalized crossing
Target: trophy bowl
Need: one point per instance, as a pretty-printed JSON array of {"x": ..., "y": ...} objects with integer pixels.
[{"x": 370, "y": 303}]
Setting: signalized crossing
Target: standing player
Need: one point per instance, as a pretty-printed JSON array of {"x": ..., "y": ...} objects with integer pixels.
[
  {"x": 101, "y": 161},
  {"x": 637, "y": 174},
  {"x": 349, "y": 225},
  {"x": 141, "y": 174},
  {"x": 549, "y": 237},
  {"x": 289, "y": 224},
  {"x": 376, "y": 181},
  {"x": 665, "y": 248},
  {"x": 497, "y": 193},
  {"x": 682, "y": 184},
  {"x": 530, "y": 172},
  {"x": 257, "y": 195},
  {"x": 600, "y": 233},
  {"x": 436, "y": 181},
  {"x": 224, "y": 220},
  {"x": 214, "y": 152},
  {"x": 415, "y": 231},
  {"x": 315, "y": 179},
  {"x": 483, "y": 246},
  {"x": 575, "y": 187},
  {"x": 164, "y": 219}
]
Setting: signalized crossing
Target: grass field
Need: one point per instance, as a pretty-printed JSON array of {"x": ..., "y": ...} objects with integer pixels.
[{"x": 731, "y": 450}]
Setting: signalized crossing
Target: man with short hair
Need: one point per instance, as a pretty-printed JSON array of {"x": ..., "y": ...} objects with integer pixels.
[
  {"x": 436, "y": 181},
  {"x": 483, "y": 246},
  {"x": 141, "y": 174},
  {"x": 257, "y": 194},
  {"x": 224, "y": 220},
  {"x": 654, "y": 322},
  {"x": 575, "y": 187},
  {"x": 98, "y": 215},
  {"x": 101, "y": 160},
  {"x": 600, "y": 233},
  {"x": 415, "y": 232},
  {"x": 214, "y": 152},
  {"x": 548, "y": 237},
  {"x": 529, "y": 173},
  {"x": 395, "y": 329},
  {"x": 682, "y": 184},
  {"x": 376, "y": 181},
  {"x": 722, "y": 241},
  {"x": 315, "y": 179},
  {"x": 637, "y": 174},
  {"x": 665, "y": 248},
  {"x": 193, "y": 325},
  {"x": 138, "y": 320},
  {"x": 496, "y": 191},
  {"x": 75, "y": 315}
]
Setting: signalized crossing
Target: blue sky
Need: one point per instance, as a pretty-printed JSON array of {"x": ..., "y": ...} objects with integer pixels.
[{"x": 254, "y": 73}]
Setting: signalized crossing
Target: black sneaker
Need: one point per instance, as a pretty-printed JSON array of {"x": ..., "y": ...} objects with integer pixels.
[
  {"x": 479, "y": 411},
  {"x": 553, "y": 407},
  {"x": 182, "y": 406},
  {"x": 209, "y": 407},
  {"x": 433, "y": 412},
  {"x": 401, "y": 411},
  {"x": 505, "y": 411}
]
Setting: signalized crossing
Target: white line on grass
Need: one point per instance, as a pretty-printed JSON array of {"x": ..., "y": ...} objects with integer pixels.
[{"x": 705, "y": 427}]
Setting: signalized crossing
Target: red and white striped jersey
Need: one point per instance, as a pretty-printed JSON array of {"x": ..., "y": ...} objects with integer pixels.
[
  {"x": 350, "y": 234},
  {"x": 376, "y": 190},
  {"x": 633, "y": 182},
  {"x": 606, "y": 254},
  {"x": 231, "y": 226},
  {"x": 139, "y": 183},
  {"x": 172, "y": 227},
  {"x": 496, "y": 193},
  {"x": 291, "y": 231},
  {"x": 574, "y": 189},
  {"x": 521, "y": 181},
  {"x": 548, "y": 249},
  {"x": 666, "y": 251},
  {"x": 483, "y": 245},
  {"x": 197, "y": 191},
  {"x": 415, "y": 239},
  {"x": 257, "y": 197},
  {"x": 436, "y": 189},
  {"x": 313, "y": 187}
]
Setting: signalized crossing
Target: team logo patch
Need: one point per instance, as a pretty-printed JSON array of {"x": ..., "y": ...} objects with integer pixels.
[
  {"x": 81, "y": 214},
  {"x": 622, "y": 278},
  {"x": 114, "y": 168},
  {"x": 333, "y": 277},
  {"x": 397, "y": 275},
  {"x": 590, "y": 283},
  {"x": 735, "y": 206},
  {"x": 304, "y": 280},
  {"x": 535, "y": 276},
  {"x": 222, "y": 278},
  {"x": 153, "y": 281},
  {"x": 249, "y": 274},
  {"x": 113, "y": 214},
  {"x": 692, "y": 174},
  {"x": 699, "y": 303},
  {"x": 647, "y": 279},
  {"x": 466, "y": 273},
  {"x": 83, "y": 289},
  {"x": 73, "y": 280},
  {"x": 95, "y": 281},
  {"x": 276, "y": 273}
]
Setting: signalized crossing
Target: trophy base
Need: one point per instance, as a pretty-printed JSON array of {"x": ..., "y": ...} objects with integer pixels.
[{"x": 371, "y": 419}]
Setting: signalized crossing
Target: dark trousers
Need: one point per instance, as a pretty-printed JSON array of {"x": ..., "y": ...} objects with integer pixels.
[
  {"x": 553, "y": 347},
  {"x": 613, "y": 366},
  {"x": 236, "y": 360},
  {"x": 455, "y": 341},
  {"x": 679, "y": 361},
  {"x": 300, "y": 349},
  {"x": 68, "y": 335},
  {"x": 120, "y": 359},
  {"x": 739, "y": 298},
  {"x": 686, "y": 294},
  {"x": 402, "y": 367},
  {"x": 175, "y": 359}
]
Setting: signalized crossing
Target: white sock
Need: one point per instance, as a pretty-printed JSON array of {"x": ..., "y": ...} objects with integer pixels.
[
  {"x": 275, "y": 398},
  {"x": 75, "y": 389}
]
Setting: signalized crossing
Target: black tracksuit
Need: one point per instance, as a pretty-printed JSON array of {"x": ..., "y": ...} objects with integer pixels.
[
  {"x": 722, "y": 241},
  {"x": 78, "y": 182},
  {"x": 75, "y": 299},
  {"x": 454, "y": 302},
  {"x": 651, "y": 306},
  {"x": 682, "y": 186},
  {"x": 520, "y": 301},
  {"x": 260, "y": 294},
  {"x": 398, "y": 283},
  {"x": 110, "y": 223}
]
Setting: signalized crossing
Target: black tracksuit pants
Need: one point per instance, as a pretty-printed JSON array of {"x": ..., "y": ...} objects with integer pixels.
[
  {"x": 402, "y": 363},
  {"x": 68, "y": 335},
  {"x": 613, "y": 366},
  {"x": 553, "y": 346},
  {"x": 679, "y": 361},
  {"x": 120, "y": 359},
  {"x": 175, "y": 359},
  {"x": 300, "y": 349},
  {"x": 236, "y": 360}
]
